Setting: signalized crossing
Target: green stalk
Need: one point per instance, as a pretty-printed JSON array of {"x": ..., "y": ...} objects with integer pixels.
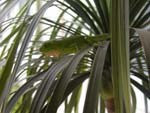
[{"x": 120, "y": 54}]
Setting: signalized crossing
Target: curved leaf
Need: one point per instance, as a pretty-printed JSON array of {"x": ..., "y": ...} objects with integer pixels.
[
  {"x": 47, "y": 82},
  {"x": 141, "y": 88},
  {"x": 94, "y": 83},
  {"x": 22, "y": 90},
  {"x": 80, "y": 11},
  {"x": 74, "y": 83},
  {"x": 64, "y": 80},
  {"x": 25, "y": 42},
  {"x": 145, "y": 40}
]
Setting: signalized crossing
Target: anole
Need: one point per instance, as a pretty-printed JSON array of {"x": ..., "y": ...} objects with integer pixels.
[{"x": 72, "y": 44}]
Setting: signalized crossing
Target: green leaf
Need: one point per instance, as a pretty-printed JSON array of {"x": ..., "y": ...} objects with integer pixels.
[
  {"x": 6, "y": 73},
  {"x": 145, "y": 40},
  {"x": 47, "y": 82},
  {"x": 7, "y": 9},
  {"x": 55, "y": 29},
  {"x": 64, "y": 80},
  {"x": 142, "y": 16},
  {"x": 74, "y": 100},
  {"x": 145, "y": 91},
  {"x": 140, "y": 75},
  {"x": 93, "y": 15},
  {"x": 22, "y": 90},
  {"x": 25, "y": 42},
  {"x": 94, "y": 83},
  {"x": 82, "y": 13},
  {"x": 136, "y": 8},
  {"x": 102, "y": 106},
  {"x": 13, "y": 32},
  {"x": 102, "y": 9},
  {"x": 134, "y": 100},
  {"x": 74, "y": 83}
]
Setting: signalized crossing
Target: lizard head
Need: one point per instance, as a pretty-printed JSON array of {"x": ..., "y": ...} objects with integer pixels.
[{"x": 50, "y": 49}]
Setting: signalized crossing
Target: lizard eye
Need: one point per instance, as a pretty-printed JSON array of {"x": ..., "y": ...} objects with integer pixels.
[
  {"x": 46, "y": 45},
  {"x": 43, "y": 47}
]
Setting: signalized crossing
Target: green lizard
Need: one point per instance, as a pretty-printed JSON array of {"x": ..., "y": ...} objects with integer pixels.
[
  {"x": 72, "y": 44},
  {"x": 60, "y": 47}
]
